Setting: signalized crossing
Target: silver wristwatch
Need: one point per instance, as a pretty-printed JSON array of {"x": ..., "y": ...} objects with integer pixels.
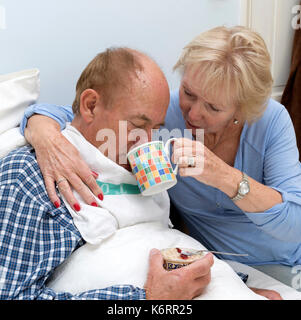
[{"x": 243, "y": 188}]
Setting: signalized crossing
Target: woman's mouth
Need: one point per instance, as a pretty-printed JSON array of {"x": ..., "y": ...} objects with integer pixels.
[{"x": 188, "y": 124}]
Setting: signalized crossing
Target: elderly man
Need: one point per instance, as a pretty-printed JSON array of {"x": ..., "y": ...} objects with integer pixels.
[{"x": 36, "y": 235}]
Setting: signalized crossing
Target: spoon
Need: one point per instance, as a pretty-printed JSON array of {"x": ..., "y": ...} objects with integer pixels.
[{"x": 187, "y": 253}]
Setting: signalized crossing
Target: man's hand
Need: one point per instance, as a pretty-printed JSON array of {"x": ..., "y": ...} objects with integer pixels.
[
  {"x": 180, "y": 284},
  {"x": 60, "y": 162}
]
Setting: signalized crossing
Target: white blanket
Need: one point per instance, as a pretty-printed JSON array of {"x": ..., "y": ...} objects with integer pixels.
[
  {"x": 128, "y": 227},
  {"x": 123, "y": 259}
]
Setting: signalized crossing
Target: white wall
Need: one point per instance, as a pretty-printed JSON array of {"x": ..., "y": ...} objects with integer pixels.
[
  {"x": 273, "y": 20},
  {"x": 61, "y": 36}
]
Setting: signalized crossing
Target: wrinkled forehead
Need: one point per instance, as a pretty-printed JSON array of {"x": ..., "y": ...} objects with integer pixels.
[
  {"x": 211, "y": 84},
  {"x": 143, "y": 99}
]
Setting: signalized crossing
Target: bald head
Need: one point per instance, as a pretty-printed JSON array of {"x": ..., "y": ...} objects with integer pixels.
[
  {"x": 149, "y": 66},
  {"x": 149, "y": 78},
  {"x": 114, "y": 70}
]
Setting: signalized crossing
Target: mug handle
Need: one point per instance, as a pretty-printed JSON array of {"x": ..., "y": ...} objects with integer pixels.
[{"x": 166, "y": 149}]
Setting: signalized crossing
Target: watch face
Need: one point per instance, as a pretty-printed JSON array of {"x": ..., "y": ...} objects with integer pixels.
[{"x": 244, "y": 188}]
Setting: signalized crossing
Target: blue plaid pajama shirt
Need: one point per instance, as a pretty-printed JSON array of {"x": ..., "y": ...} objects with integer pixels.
[{"x": 35, "y": 237}]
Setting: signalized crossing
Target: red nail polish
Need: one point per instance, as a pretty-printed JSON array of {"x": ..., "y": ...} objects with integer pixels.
[
  {"x": 95, "y": 174},
  {"x": 56, "y": 204},
  {"x": 76, "y": 207},
  {"x": 100, "y": 196},
  {"x": 94, "y": 204}
]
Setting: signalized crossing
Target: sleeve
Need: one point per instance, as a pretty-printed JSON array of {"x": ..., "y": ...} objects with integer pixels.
[
  {"x": 123, "y": 292},
  {"x": 24, "y": 280},
  {"x": 61, "y": 114},
  {"x": 282, "y": 172},
  {"x": 33, "y": 244}
]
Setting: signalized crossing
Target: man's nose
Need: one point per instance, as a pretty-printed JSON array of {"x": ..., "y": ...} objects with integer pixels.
[{"x": 149, "y": 134}]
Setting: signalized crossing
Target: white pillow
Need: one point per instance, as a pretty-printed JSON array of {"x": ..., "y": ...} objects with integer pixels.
[
  {"x": 18, "y": 90},
  {"x": 10, "y": 140}
]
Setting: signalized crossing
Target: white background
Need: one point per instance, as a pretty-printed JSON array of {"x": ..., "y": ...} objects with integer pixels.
[{"x": 60, "y": 37}]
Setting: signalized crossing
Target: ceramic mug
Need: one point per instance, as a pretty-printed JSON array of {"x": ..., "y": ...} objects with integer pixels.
[{"x": 151, "y": 165}]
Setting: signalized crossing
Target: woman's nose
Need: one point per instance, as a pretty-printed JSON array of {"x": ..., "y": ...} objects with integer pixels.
[{"x": 195, "y": 112}]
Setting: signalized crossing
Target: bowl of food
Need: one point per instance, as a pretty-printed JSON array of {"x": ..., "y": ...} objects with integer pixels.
[{"x": 175, "y": 258}]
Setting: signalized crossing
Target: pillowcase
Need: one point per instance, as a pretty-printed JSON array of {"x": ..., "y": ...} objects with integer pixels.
[
  {"x": 18, "y": 90},
  {"x": 10, "y": 140}
]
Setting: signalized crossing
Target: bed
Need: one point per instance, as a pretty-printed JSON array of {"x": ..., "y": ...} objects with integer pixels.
[{"x": 19, "y": 90}]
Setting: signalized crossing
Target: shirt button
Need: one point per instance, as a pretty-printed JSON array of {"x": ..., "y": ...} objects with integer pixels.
[{"x": 218, "y": 204}]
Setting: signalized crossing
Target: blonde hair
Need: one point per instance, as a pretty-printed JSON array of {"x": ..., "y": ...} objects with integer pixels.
[
  {"x": 108, "y": 72},
  {"x": 235, "y": 62}
]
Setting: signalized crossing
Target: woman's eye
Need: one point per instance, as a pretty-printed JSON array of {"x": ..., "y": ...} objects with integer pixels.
[
  {"x": 187, "y": 93},
  {"x": 208, "y": 105}
]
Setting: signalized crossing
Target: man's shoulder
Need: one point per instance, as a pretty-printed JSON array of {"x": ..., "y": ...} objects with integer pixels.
[{"x": 18, "y": 166}]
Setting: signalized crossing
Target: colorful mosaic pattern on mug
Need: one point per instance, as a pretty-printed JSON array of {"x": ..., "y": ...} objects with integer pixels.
[{"x": 150, "y": 165}]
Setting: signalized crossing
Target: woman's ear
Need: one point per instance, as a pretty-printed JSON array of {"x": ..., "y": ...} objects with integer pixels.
[{"x": 89, "y": 99}]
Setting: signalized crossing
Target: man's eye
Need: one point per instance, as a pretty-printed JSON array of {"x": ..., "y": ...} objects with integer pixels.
[{"x": 140, "y": 126}]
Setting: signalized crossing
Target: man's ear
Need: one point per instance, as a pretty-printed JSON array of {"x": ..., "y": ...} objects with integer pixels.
[{"x": 89, "y": 99}]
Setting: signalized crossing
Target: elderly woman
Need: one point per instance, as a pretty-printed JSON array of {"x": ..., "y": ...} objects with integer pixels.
[{"x": 247, "y": 198}]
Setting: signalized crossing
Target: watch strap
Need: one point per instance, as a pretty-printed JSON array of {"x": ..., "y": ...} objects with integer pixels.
[{"x": 240, "y": 196}]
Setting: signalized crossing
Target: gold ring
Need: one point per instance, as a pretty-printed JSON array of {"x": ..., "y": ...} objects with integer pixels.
[
  {"x": 61, "y": 180},
  {"x": 191, "y": 162}
]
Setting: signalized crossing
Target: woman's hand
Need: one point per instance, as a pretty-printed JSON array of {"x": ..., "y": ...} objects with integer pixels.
[
  {"x": 269, "y": 294},
  {"x": 213, "y": 171},
  {"x": 207, "y": 167},
  {"x": 61, "y": 163}
]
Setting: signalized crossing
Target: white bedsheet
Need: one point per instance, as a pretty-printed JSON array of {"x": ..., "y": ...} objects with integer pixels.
[{"x": 260, "y": 280}]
